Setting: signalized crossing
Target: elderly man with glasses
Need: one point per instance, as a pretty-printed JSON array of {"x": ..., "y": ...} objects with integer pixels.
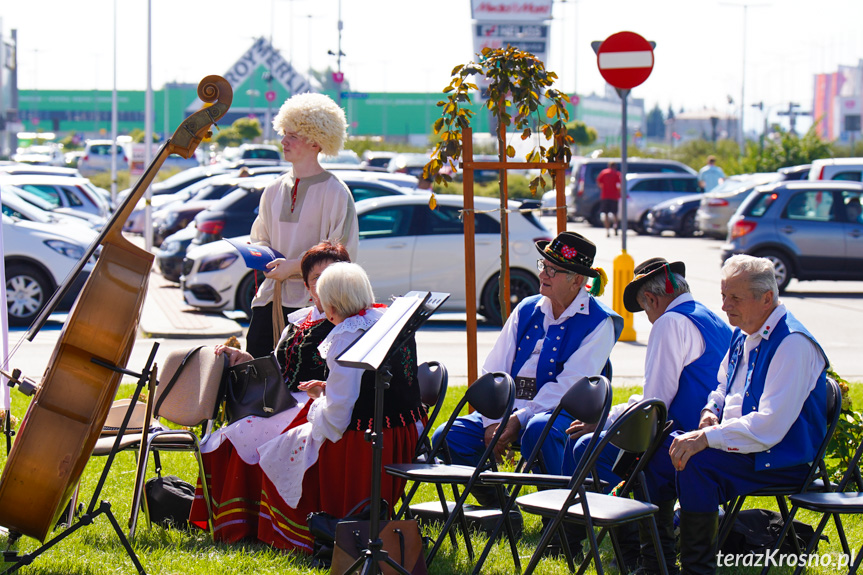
[{"x": 550, "y": 341}]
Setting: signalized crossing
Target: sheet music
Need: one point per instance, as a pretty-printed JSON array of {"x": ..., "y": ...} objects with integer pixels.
[{"x": 369, "y": 351}]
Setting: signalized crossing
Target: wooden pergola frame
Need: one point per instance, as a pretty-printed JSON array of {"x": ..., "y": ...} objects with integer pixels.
[{"x": 502, "y": 165}]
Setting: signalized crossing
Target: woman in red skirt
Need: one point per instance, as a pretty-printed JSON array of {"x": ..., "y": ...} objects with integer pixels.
[
  {"x": 322, "y": 461},
  {"x": 230, "y": 454}
]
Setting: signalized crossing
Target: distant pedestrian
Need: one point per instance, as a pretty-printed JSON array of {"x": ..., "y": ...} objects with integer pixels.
[
  {"x": 608, "y": 181},
  {"x": 710, "y": 175}
]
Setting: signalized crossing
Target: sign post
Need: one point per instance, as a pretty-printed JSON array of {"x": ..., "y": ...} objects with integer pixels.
[{"x": 625, "y": 60}]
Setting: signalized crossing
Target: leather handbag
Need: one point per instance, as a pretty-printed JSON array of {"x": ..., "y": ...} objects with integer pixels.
[
  {"x": 401, "y": 540},
  {"x": 257, "y": 388}
]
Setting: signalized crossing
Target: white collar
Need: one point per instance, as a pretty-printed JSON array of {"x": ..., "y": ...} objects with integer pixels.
[
  {"x": 768, "y": 326},
  {"x": 581, "y": 304},
  {"x": 300, "y": 315}
]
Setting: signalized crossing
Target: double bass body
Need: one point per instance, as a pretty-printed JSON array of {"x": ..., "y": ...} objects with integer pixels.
[{"x": 67, "y": 413}]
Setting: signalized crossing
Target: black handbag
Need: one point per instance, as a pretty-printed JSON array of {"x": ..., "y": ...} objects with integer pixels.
[{"x": 256, "y": 388}]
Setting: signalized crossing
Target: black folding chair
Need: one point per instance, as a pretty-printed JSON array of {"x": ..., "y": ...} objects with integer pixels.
[
  {"x": 816, "y": 480},
  {"x": 637, "y": 432},
  {"x": 492, "y": 395},
  {"x": 433, "y": 381},
  {"x": 588, "y": 400},
  {"x": 833, "y": 504}
]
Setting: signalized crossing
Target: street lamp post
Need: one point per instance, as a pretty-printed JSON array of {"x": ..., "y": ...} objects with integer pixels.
[{"x": 745, "y": 6}]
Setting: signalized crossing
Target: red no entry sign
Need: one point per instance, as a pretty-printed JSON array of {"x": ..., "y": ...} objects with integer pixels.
[{"x": 625, "y": 60}]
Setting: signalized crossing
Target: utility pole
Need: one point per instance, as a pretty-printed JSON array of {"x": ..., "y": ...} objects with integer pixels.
[{"x": 792, "y": 114}]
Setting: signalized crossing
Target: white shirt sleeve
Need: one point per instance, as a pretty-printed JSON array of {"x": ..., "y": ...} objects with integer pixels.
[
  {"x": 588, "y": 360},
  {"x": 330, "y": 414},
  {"x": 791, "y": 376},
  {"x": 674, "y": 343}
]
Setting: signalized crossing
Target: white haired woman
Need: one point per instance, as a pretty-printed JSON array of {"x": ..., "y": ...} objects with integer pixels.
[
  {"x": 305, "y": 206},
  {"x": 322, "y": 462}
]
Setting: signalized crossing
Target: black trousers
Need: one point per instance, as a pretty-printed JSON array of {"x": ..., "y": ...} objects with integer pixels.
[{"x": 259, "y": 337}]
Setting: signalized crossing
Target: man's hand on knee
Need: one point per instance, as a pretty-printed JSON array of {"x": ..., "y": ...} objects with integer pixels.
[
  {"x": 685, "y": 446},
  {"x": 578, "y": 428}
]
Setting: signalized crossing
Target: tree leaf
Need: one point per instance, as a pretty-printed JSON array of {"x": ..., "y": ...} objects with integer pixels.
[
  {"x": 432, "y": 202},
  {"x": 510, "y": 152},
  {"x": 551, "y": 111}
]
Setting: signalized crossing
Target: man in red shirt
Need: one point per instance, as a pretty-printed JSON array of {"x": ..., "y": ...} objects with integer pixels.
[{"x": 608, "y": 181}]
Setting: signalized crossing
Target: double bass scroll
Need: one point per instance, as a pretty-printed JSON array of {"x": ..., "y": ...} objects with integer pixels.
[{"x": 66, "y": 415}]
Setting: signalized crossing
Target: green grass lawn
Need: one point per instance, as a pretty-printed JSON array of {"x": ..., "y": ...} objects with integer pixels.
[{"x": 96, "y": 549}]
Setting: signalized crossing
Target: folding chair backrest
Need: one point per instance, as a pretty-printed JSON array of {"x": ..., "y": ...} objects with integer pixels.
[
  {"x": 433, "y": 380},
  {"x": 190, "y": 382},
  {"x": 490, "y": 396},
  {"x": 834, "y": 409},
  {"x": 638, "y": 429},
  {"x": 587, "y": 400}
]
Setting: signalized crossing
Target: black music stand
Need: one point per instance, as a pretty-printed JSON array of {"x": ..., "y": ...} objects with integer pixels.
[
  {"x": 96, "y": 507},
  {"x": 371, "y": 351}
]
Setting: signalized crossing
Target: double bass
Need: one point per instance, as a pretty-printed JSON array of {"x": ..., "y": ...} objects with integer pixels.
[{"x": 66, "y": 415}]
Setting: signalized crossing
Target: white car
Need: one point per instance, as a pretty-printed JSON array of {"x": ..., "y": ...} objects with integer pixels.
[
  {"x": 404, "y": 246},
  {"x": 38, "y": 257},
  {"x": 97, "y": 157},
  {"x": 63, "y": 193},
  {"x": 17, "y": 206}
]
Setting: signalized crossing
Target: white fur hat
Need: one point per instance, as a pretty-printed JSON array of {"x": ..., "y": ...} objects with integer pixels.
[{"x": 316, "y": 118}]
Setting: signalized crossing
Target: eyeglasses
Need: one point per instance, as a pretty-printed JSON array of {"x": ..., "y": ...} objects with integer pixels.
[{"x": 541, "y": 265}]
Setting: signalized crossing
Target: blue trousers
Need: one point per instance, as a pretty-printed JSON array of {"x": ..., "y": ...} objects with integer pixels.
[
  {"x": 604, "y": 463},
  {"x": 713, "y": 477},
  {"x": 466, "y": 439}
]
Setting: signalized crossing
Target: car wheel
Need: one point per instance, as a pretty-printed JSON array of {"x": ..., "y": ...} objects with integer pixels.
[
  {"x": 595, "y": 218},
  {"x": 522, "y": 284},
  {"x": 27, "y": 291},
  {"x": 783, "y": 268},
  {"x": 245, "y": 294},
  {"x": 641, "y": 226},
  {"x": 687, "y": 226}
]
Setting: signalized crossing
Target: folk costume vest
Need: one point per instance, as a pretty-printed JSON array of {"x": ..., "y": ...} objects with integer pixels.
[
  {"x": 698, "y": 378},
  {"x": 801, "y": 442},
  {"x": 402, "y": 400},
  {"x": 561, "y": 341}
]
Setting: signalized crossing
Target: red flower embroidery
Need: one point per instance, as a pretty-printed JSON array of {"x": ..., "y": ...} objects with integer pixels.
[{"x": 568, "y": 252}]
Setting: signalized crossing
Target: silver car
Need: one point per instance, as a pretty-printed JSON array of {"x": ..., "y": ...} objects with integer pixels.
[
  {"x": 643, "y": 191},
  {"x": 720, "y": 203}
]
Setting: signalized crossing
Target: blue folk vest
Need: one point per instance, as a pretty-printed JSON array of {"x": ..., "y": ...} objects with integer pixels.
[
  {"x": 801, "y": 442},
  {"x": 698, "y": 378},
  {"x": 561, "y": 341}
]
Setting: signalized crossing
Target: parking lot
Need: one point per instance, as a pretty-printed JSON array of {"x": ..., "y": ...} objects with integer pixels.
[{"x": 832, "y": 311}]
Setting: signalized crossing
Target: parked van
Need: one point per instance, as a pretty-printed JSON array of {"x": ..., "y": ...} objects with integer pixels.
[{"x": 848, "y": 169}]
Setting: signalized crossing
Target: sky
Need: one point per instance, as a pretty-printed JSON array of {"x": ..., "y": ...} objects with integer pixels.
[{"x": 412, "y": 45}]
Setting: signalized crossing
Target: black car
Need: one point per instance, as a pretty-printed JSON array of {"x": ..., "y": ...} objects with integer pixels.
[
  {"x": 169, "y": 256},
  {"x": 675, "y": 215},
  {"x": 177, "y": 215}
]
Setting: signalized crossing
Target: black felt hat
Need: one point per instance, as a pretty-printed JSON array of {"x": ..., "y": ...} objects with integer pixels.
[
  {"x": 571, "y": 251},
  {"x": 645, "y": 271}
]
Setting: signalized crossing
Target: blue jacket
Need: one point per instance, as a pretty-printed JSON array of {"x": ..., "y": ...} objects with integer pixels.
[
  {"x": 698, "y": 378},
  {"x": 561, "y": 341},
  {"x": 804, "y": 438}
]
